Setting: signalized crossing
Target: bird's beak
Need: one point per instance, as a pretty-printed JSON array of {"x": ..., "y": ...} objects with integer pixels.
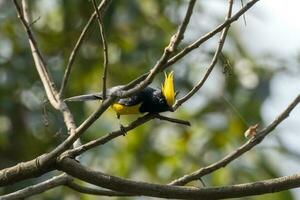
[{"x": 168, "y": 89}]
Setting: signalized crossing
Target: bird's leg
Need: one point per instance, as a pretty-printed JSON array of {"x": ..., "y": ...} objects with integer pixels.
[{"x": 122, "y": 128}]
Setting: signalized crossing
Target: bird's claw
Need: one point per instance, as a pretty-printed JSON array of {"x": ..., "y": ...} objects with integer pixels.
[{"x": 123, "y": 130}]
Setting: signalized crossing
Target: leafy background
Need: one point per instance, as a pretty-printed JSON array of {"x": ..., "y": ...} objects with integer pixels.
[{"x": 239, "y": 93}]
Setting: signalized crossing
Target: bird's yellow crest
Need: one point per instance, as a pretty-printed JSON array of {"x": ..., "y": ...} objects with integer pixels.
[{"x": 168, "y": 89}]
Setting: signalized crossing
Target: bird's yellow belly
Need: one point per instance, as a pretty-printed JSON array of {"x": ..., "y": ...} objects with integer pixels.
[{"x": 126, "y": 110}]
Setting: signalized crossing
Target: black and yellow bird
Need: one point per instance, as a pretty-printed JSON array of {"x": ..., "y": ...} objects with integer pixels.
[{"x": 148, "y": 100}]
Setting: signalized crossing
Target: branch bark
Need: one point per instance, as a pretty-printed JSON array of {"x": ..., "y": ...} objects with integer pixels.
[
  {"x": 176, "y": 192},
  {"x": 209, "y": 35},
  {"x": 239, "y": 151},
  {"x": 168, "y": 51},
  {"x": 105, "y": 50},
  {"x": 102, "y": 8},
  {"x": 38, "y": 188},
  {"x": 213, "y": 63},
  {"x": 96, "y": 191}
]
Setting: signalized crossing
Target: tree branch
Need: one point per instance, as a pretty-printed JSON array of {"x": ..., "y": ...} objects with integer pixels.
[
  {"x": 110, "y": 136},
  {"x": 23, "y": 170},
  {"x": 38, "y": 188},
  {"x": 168, "y": 51},
  {"x": 44, "y": 163},
  {"x": 239, "y": 151},
  {"x": 105, "y": 50},
  {"x": 104, "y": 139},
  {"x": 209, "y": 35},
  {"x": 37, "y": 55},
  {"x": 96, "y": 191},
  {"x": 41, "y": 163},
  {"x": 212, "y": 64},
  {"x": 178, "y": 37},
  {"x": 102, "y": 7},
  {"x": 173, "y": 120},
  {"x": 166, "y": 191}
]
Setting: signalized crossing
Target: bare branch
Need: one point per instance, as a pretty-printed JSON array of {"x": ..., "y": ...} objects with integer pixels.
[
  {"x": 240, "y": 151},
  {"x": 38, "y": 188},
  {"x": 173, "y": 120},
  {"x": 37, "y": 55},
  {"x": 212, "y": 64},
  {"x": 96, "y": 191},
  {"x": 41, "y": 164},
  {"x": 142, "y": 82},
  {"x": 102, "y": 7},
  {"x": 46, "y": 162},
  {"x": 178, "y": 37},
  {"x": 178, "y": 192},
  {"x": 23, "y": 170},
  {"x": 104, "y": 139},
  {"x": 105, "y": 50},
  {"x": 209, "y": 35},
  {"x": 38, "y": 165},
  {"x": 168, "y": 51},
  {"x": 40, "y": 64}
]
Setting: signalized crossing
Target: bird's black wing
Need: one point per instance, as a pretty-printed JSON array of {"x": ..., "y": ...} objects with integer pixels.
[{"x": 138, "y": 98}]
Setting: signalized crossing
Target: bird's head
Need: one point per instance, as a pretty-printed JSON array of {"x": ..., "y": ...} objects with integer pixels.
[{"x": 168, "y": 89}]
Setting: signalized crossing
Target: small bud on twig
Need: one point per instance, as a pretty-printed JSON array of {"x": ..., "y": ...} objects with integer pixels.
[{"x": 251, "y": 131}]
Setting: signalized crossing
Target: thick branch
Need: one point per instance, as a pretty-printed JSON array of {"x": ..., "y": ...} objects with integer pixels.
[
  {"x": 166, "y": 191},
  {"x": 23, "y": 171},
  {"x": 96, "y": 191},
  {"x": 241, "y": 150}
]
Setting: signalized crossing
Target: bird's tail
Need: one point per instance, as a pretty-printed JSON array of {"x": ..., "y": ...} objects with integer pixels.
[
  {"x": 95, "y": 96},
  {"x": 86, "y": 97}
]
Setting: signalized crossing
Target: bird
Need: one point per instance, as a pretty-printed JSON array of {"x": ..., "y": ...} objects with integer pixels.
[{"x": 147, "y": 100}]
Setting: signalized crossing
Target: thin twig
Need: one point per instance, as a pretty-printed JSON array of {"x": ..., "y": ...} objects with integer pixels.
[
  {"x": 108, "y": 137},
  {"x": 239, "y": 151},
  {"x": 244, "y": 15},
  {"x": 212, "y": 64},
  {"x": 105, "y": 49},
  {"x": 47, "y": 81},
  {"x": 209, "y": 35},
  {"x": 104, "y": 139},
  {"x": 182, "y": 28},
  {"x": 173, "y": 120},
  {"x": 38, "y": 188},
  {"x": 102, "y": 7}
]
